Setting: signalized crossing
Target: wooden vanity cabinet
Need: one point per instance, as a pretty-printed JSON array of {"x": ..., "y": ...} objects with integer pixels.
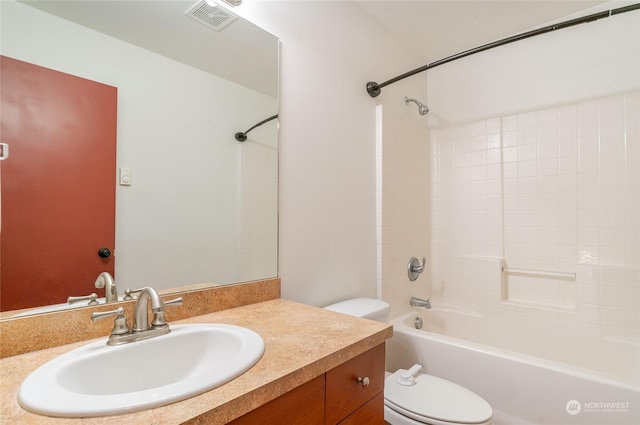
[
  {"x": 346, "y": 397},
  {"x": 330, "y": 399}
]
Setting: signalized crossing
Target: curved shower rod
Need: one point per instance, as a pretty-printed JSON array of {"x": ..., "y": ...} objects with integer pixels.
[
  {"x": 374, "y": 89},
  {"x": 242, "y": 136}
]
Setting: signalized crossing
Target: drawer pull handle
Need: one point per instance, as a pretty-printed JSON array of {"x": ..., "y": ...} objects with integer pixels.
[{"x": 363, "y": 381}]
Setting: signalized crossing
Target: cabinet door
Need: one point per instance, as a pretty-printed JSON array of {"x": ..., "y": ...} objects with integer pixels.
[
  {"x": 344, "y": 393},
  {"x": 303, "y": 405},
  {"x": 371, "y": 413}
]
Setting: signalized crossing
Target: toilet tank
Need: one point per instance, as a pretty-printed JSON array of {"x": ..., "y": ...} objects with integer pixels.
[{"x": 368, "y": 308}]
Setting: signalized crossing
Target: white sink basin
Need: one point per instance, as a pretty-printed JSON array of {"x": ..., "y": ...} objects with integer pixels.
[{"x": 101, "y": 380}]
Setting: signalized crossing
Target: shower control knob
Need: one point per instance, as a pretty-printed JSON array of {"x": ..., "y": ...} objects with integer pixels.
[{"x": 104, "y": 253}]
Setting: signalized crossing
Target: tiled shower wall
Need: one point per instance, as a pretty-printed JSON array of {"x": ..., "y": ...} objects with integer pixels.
[
  {"x": 402, "y": 199},
  {"x": 552, "y": 193}
]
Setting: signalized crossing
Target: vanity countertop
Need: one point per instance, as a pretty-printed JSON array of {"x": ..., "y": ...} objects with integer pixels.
[{"x": 302, "y": 342}]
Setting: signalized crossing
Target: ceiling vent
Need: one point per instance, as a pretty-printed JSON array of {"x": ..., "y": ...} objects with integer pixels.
[{"x": 214, "y": 16}]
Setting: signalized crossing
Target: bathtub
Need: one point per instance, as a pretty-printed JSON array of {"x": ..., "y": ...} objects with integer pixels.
[{"x": 522, "y": 389}]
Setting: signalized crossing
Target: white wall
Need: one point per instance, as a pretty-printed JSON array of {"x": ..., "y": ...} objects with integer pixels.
[
  {"x": 536, "y": 165},
  {"x": 328, "y": 143},
  {"x": 178, "y": 223}
]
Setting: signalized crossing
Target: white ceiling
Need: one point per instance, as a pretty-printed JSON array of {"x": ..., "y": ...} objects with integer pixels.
[
  {"x": 241, "y": 52},
  {"x": 437, "y": 29},
  {"x": 432, "y": 29}
]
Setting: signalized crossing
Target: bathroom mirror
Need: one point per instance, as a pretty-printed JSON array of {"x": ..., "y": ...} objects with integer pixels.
[{"x": 200, "y": 207}]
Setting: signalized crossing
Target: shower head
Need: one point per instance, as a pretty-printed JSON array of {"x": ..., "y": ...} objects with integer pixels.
[{"x": 422, "y": 108}]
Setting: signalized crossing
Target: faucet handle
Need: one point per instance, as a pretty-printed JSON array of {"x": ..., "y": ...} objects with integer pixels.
[
  {"x": 128, "y": 293},
  {"x": 93, "y": 299},
  {"x": 120, "y": 325},
  {"x": 159, "y": 319},
  {"x": 177, "y": 301},
  {"x": 414, "y": 268}
]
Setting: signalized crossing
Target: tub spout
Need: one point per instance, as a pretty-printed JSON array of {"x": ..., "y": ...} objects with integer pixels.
[{"x": 419, "y": 302}]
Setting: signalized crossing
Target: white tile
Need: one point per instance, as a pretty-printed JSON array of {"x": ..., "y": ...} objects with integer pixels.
[
  {"x": 493, "y": 187},
  {"x": 509, "y": 139},
  {"x": 587, "y": 294},
  {"x": 527, "y": 152},
  {"x": 478, "y": 142},
  {"x": 527, "y": 168},
  {"x": 587, "y": 274},
  {"x": 612, "y": 179},
  {"x": 548, "y": 166},
  {"x": 588, "y": 118},
  {"x": 611, "y": 111},
  {"x": 527, "y": 218},
  {"x": 613, "y": 295},
  {"x": 478, "y": 157},
  {"x": 493, "y": 156},
  {"x": 567, "y": 165},
  {"x": 588, "y": 254},
  {"x": 510, "y": 154},
  {"x": 613, "y": 316},
  {"x": 494, "y": 140},
  {"x": 546, "y": 184},
  {"x": 589, "y": 144},
  {"x": 510, "y": 170},
  {"x": 567, "y": 182},
  {"x": 547, "y": 201},
  {"x": 588, "y": 236},
  {"x": 568, "y": 147},
  {"x": 528, "y": 202},
  {"x": 509, "y": 123},
  {"x": 588, "y": 163},
  {"x": 510, "y": 187},
  {"x": 527, "y": 185},
  {"x": 547, "y": 150}
]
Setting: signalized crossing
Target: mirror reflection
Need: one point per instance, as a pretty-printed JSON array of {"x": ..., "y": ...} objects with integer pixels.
[{"x": 199, "y": 207}]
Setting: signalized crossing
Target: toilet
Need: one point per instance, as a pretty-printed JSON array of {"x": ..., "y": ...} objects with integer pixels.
[{"x": 414, "y": 398}]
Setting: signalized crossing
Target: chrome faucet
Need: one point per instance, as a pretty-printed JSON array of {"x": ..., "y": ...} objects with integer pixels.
[
  {"x": 419, "y": 302},
  {"x": 105, "y": 280},
  {"x": 121, "y": 334},
  {"x": 141, "y": 315}
]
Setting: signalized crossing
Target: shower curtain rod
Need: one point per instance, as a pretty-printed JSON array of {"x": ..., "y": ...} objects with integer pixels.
[
  {"x": 374, "y": 89},
  {"x": 241, "y": 137}
]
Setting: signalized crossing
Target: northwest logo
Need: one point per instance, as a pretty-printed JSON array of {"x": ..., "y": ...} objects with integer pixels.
[{"x": 573, "y": 407}]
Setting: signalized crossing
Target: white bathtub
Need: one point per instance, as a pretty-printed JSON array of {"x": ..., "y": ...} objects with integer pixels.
[{"x": 521, "y": 389}]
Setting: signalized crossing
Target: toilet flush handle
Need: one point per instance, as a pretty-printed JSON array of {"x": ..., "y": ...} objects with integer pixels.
[{"x": 363, "y": 381}]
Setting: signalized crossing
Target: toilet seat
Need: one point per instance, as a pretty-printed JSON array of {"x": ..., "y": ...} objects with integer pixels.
[{"x": 435, "y": 401}]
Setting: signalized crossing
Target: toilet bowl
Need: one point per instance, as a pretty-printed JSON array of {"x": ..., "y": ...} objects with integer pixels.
[{"x": 415, "y": 398}]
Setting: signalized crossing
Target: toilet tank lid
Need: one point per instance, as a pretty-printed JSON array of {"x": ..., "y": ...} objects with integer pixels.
[{"x": 368, "y": 308}]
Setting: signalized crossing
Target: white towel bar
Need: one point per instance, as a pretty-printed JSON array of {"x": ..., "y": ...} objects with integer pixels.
[{"x": 541, "y": 273}]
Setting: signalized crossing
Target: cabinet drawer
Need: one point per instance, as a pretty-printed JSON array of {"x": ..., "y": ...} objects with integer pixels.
[
  {"x": 344, "y": 394},
  {"x": 369, "y": 414},
  {"x": 303, "y": 405}
]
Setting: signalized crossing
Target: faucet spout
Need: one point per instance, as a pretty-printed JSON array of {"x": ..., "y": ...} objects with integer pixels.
[
  {"x": 105, "y": 280},
  {"x": 419, "y": 302},
  {"x": 141, "y": 319}
]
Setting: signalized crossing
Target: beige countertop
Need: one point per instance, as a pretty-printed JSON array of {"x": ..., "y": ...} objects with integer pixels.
[{"x": 302, "y": 342}]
